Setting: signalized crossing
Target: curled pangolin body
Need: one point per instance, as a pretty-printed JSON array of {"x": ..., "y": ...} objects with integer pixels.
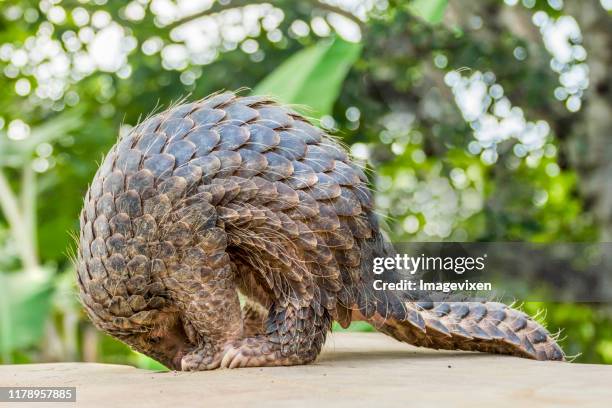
[{"x": 235, "y": 194}]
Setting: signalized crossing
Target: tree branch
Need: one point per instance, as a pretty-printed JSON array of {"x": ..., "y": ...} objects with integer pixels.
[
  {"x": 218, "y": 7},
  {"x": 215, "y": 8},
  {"x": 342, "y": 12},
  {"x": 8, "y": 202},
  {"x": 28, "y": 202},
  {"x": 10, "y": 208}
]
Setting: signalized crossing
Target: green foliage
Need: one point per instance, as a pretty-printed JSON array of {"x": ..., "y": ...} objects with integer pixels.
[
  {"x": 354, "y": 327},
  {"x": 24, "y": 310},
  {"x": 431, "y": 11},
  {"x": 385, "y": 89},
  {"x": 16, "y": 153},
  {"x": 312, "y": 77},
  {"x": 148, "y": 363}
]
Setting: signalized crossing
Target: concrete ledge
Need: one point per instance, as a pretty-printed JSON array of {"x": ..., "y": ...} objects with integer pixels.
[{"x": 355, "y": 370}]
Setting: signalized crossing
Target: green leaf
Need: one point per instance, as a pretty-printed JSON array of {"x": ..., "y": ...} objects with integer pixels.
[
  {"x": 147, "y": 363},
  {"x": 24, "y": 307},
  {"x": 431, "y": 11},
  {"x": 354, "y": 327},
  {"x": 312, "y": 76}
]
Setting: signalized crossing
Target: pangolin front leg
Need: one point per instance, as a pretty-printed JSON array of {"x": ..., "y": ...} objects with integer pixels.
[
  {"x": 203, "y": 288},
  {"x": 215, "y": 329}
]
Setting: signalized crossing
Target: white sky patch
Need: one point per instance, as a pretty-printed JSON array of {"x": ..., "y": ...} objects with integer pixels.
[
  {"x": 441, "y": 201},
  {"x": 104, "y": 45},
  {"x": 23, "y": 87},
  {"x": 152, "y": 45},
  {"x": 359, "y": 8},
  {"x": 360, "y": 151},
  {"x": 100, "y": 19},
  {"x": 205, "y": 36},
  {"x": 80, "y": 16},
  {"x": 345, "y": 27},
  {"x": 18, "y": 130},
  {"x": 440, "y": 204},
  {"x": 107, "y": 49},
  {"x": 101, "y": 44},
  {"x": 562, "y": 38},
  {"x": 175, "y": 56},
  {"x": 44, "y": 67},
  {"x": 167, "y": 12},
  {"x": 320, "y": 27},
  {"x": 134, "y": 11},
  {"x": 494, "y": 119}
]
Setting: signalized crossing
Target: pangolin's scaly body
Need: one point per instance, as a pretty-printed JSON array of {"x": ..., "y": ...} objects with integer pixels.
[{"x": 241, "y": 194}]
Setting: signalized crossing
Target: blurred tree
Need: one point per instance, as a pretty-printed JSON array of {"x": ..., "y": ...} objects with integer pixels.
[{"x": 587, "y": 137}]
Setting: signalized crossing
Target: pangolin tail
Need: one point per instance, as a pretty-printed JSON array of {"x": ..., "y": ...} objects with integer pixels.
[{"x": 474, "y": 326}]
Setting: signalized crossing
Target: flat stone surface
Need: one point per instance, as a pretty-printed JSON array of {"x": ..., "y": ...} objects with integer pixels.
[{"x": 355, "y": 370}]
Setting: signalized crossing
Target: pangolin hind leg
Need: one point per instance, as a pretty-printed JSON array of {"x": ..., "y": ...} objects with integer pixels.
[{"x": 293, "y": 336}]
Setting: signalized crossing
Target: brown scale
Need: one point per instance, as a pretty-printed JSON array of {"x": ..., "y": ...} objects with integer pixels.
[{"x": 239, "y": 194}]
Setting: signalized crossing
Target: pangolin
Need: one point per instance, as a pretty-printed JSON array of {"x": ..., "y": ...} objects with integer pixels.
[{"x": 232, "y": 195}]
